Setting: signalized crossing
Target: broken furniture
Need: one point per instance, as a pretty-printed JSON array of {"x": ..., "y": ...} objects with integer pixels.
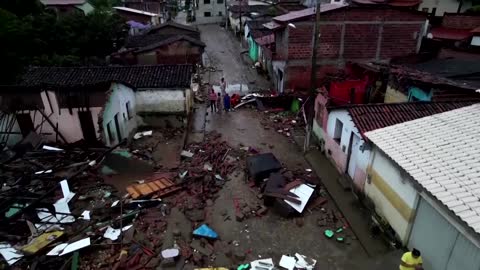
[{"x": 261, "y": 166}]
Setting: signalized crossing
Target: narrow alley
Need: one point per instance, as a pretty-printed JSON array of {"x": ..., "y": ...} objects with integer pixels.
[{"x": 224, "y": 52}]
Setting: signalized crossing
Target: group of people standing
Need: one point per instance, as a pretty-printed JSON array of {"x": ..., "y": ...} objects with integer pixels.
[{"x": 217, "y": 98}]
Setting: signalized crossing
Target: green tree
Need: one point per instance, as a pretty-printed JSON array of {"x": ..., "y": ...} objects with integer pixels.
[{"x": 44, "y": 38}]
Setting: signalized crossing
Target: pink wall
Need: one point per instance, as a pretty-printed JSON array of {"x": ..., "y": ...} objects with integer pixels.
[
  {"x": 321, "y": 113},
  {"x": 359, "y": 179},
  {"x": 68, "y": 124},
  {"x": 337, "y": 155}
]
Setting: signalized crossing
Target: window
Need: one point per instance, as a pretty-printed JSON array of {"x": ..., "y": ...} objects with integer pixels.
[
  {"x": 337, "y": 135},
  {"x": 206, "y": 2},
  {"x": 109, "y": 132},
  {"x": 129, "y": 113},
  {"x": 220, "y": 13},
  {"x": 434, "y": 10},
  {"x": 207, "y": 14},
  {"x": 219, "y": 1}
]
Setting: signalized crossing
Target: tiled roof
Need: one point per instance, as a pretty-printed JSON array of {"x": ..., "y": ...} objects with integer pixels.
[
  {"x": 441, "y": 152},
  {"x": 173, "y": 24},
  {"x": 450, "y": 33},
  {"x": 153, "y": 38},
  {"x": 171, "y": 40},
  {"x": 160, "y": 76},
  {"x": 370, "y": 117},
  {"x": 460, "y": 21}
]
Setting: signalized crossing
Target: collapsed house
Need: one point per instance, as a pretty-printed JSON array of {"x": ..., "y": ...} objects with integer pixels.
[{"x": 94, "y": 104}]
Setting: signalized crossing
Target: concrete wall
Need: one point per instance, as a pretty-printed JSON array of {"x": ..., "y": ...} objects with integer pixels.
[
  {"x": 116, "y": 104},
  {"x": 161, "y": 101},
  {"x": 450, "y": 6},
  {"x": 393, "y": 194},
  {"x": 339, "y": 151},
  {"x": 214, "y": 8},
  {"x": 147, "y": 58},
  {"x": 68, "y": 123}
]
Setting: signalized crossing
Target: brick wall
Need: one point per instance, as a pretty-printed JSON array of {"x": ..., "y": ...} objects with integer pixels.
[
  {"x": 299, "y": 77},
  {"x": 360, "y": 40},
  {"x": 399, "y": 40},
  {"x": 460, "y": 21}
]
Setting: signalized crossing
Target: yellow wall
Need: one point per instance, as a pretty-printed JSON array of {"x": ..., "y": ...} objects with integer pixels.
[{"x": 394, "y": 96}]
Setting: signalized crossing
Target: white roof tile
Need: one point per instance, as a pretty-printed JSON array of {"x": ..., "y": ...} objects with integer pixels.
[{"x": 442, "y": 153}]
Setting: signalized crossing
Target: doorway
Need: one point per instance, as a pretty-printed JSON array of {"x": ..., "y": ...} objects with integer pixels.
[
  {"x": 352, "y": 154},
  {"x": 117, "y": 127},
  {"x": 280, "y": 81},
  {"x": 88, "y": 129},
  {"x": 25, "y": 123}
]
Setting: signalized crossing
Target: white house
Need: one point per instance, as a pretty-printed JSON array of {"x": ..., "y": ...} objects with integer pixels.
[
  {"x": 210, "y": 11},
  {"x": 95, "y": 103},
  {"x": 341, "y": 130},
  {"x": 424, "y": 181}
]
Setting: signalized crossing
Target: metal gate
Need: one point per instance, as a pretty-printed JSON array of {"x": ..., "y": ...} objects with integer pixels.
[{"x": 433, "y": 236}]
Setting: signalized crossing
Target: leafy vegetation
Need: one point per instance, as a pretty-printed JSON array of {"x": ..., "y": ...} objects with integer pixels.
[{"x": 33, "y": 35}]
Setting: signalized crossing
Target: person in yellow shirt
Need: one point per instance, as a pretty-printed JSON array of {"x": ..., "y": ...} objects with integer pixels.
[{"x": 411, "y": 260}]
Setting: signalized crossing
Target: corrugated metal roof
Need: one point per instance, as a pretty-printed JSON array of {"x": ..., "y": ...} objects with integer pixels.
[
  {"x": 294, "y": 15},
  {"x": 442, "y": 153},
  {"x": 136, "y": 11}
]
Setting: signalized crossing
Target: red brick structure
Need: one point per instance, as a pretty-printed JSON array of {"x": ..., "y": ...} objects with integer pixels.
[{"x": 347, "y": 33}]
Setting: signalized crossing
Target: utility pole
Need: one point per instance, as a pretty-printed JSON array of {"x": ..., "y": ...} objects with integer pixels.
[
  {"x": 313, "y": 78},
  {"x": 316, "y": 33}
]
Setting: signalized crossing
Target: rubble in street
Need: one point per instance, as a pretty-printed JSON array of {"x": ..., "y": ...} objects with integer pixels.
[{"x": 68, "y": 216}]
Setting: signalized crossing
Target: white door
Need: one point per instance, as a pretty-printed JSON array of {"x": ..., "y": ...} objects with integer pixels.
[{"x": 352, "y": 163}]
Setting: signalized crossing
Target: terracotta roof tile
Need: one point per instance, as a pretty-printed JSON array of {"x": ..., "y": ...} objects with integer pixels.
[
  {"x": 450, "y": 33},
  {"x": 159, "y": 76},
  {"x": 370, "y": 117}
]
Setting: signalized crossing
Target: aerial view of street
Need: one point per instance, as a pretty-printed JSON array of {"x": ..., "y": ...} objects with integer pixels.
[{"x": 247, "y": 135}]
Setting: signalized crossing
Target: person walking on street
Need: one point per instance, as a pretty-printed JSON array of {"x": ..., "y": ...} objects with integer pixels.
[
  {"x": 213, "y": 100},
  {"x": 226, "y": 102},
  {"x": 411, "y": 260},
  {"x": 223, "y": 86},
  {"x": 219, "y": 103}
]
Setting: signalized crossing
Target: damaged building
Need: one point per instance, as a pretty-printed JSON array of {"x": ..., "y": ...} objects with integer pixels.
[{"x": 95, "y": 104}]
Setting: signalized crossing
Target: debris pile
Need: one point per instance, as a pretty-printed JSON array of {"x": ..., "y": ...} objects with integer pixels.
[
  {"x": 285, "y": 123},
  {"x": 67, "y": 217},
  {"x": 149, "y": 145}
]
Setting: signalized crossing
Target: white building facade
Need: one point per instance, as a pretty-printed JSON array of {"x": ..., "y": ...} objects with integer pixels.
[{"x": 423, "y": 180}]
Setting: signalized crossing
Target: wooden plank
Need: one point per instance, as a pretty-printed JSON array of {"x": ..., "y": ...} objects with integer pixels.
[{"x": 149, "y": 188}]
